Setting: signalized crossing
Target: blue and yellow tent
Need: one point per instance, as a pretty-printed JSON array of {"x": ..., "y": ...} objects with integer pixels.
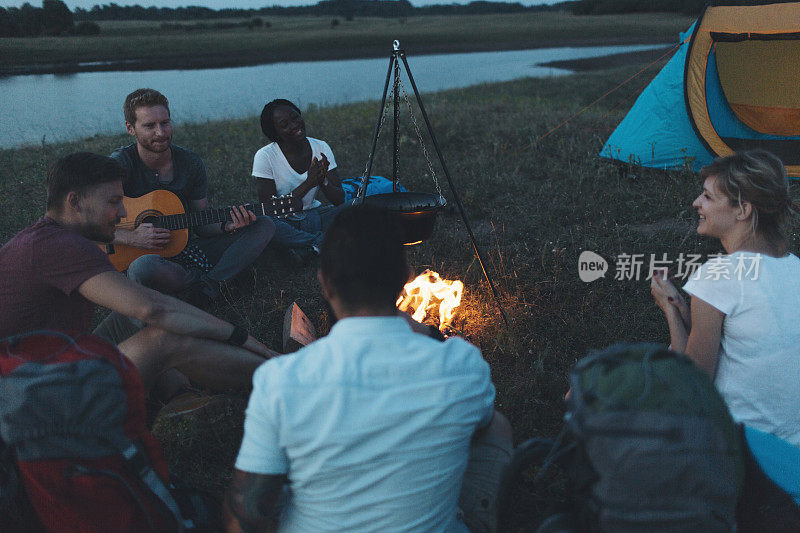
[{"x": 733, "y": 84}]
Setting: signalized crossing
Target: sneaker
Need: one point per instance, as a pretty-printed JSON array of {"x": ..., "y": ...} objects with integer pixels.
[{"x": 188, "y": 401}]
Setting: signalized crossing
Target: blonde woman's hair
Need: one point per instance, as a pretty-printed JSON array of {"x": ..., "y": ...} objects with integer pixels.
[{"x": 759, "y": 178}]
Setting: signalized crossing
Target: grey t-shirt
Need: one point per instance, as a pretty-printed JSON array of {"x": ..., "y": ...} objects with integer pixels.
[{"x": 189, "y": 179}]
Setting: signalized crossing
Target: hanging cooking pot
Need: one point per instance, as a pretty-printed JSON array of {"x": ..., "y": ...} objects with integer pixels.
[{"x": 415, "y": 211}]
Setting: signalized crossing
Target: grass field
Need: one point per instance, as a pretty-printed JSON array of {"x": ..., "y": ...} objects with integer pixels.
[
  {"x": 534, "y": 207},
  {"x": 291, "y": 38}
]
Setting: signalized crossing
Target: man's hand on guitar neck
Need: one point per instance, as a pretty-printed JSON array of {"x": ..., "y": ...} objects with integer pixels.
[
  {"x": 145, "y": 236},
  {"x": 240, "y": 217}
]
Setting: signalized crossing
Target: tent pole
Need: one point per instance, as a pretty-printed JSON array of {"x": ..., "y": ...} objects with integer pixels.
[{"x": 456, "y": 197}]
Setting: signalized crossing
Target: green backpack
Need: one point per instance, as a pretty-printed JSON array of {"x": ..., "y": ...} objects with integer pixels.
[{"x": 655, "y": 448}]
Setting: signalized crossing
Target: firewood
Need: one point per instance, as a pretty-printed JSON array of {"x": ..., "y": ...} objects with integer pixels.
[{"x": 298, "y": 331}]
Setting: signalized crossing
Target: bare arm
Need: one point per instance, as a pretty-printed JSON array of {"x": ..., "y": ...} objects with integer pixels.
[
  {"x": 499, "y": 426},
  {"x": 678, "y": 332},
  {"x": 145, "y": 236},
  {"x": 250, "y": 502},
  {"x": 266, "y": 189},
  {"x": 116, "y": 292},
  {"x": 667, "y": 295},
  {"x": 671, "y": 302},
  {"x": 317, "y": 175},
  {"x": 697, "y": 331},
  {"x": 704, "y": 339},
  {"x": 332, "y": 188}
]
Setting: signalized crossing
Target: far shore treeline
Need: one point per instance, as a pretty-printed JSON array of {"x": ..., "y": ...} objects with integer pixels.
[
  {"x": 687, "y": 7},
  {"x": 55, "y": 18},
  {"x": 342, "y": 8}
]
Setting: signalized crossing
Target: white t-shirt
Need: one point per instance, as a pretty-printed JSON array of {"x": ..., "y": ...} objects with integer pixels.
[
  {"x": 372, "y": 424},
  {"x": 758, "y": 373},
  {"x": 270, "y": 163}
]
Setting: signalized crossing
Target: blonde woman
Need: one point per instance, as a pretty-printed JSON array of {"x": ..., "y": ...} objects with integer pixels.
[{"x": 742, "y": 326}]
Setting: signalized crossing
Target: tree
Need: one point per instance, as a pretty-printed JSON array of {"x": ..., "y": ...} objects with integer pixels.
[
  {"x": 29, "y": 19},
  {"x": 8, "y": 26},
  {"x": 689, "y": 7},
  {"x": 57, "y": 18}
]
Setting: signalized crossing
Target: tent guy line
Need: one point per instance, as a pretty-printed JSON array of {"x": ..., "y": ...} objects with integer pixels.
[{"x": 603, "y": 97}]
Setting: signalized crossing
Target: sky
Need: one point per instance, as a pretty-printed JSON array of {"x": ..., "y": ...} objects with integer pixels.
[{"x": 242, "y": 4}]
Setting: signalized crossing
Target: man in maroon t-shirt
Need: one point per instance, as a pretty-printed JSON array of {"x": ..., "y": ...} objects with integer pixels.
[
  {"x": 41, "y": 268},
  {"x": 54, "y": 275}
]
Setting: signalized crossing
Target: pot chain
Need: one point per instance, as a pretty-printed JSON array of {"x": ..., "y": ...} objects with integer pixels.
[{"x": 421, "y": 142}]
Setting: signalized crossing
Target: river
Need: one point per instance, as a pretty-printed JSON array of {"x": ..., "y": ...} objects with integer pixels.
[{"x": 50, "y": 108}]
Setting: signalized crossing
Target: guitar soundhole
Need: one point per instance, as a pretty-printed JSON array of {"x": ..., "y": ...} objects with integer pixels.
[{"x": 150, "y": 216}]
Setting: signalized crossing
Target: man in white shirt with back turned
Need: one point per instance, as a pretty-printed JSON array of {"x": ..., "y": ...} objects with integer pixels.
[{"x": 372, "y": 427}]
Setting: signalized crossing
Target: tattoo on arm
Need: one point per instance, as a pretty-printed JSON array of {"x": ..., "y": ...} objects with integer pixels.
[{"x": 250, "y": 500}]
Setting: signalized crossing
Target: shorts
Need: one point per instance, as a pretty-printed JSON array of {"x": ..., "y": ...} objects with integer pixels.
[{"x": 477, "y": 503}]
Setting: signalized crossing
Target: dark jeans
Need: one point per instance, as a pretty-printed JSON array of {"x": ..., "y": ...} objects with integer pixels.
[
  {"x": 308, "y": 231},
  {"x": 230, "y": 254}
]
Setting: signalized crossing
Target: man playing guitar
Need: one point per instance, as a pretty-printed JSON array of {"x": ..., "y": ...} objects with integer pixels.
[{"x": 153, "y": 163}]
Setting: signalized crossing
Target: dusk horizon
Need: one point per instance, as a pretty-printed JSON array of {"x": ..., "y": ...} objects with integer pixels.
[{"x": 242, "y": 4}]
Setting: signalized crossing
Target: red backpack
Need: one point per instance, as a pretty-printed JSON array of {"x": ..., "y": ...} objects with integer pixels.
[{"x": 72, "y": 413}]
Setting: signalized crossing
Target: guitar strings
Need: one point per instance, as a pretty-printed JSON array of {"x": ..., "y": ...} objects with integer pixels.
[{"x": 222, "y": 212}]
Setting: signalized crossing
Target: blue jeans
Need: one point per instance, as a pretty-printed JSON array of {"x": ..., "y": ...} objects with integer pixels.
[
  {"x": 230, "y": 254},
  {"x": 307, "y": 231}
]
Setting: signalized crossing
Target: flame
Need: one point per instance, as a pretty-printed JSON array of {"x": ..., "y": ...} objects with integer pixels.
[{"x": 429, "y": 296}]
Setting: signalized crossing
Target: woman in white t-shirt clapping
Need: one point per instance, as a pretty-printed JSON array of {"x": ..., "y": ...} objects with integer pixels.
[
  {"x": 299, "y": 165},
  {"x": 742, "y": 327}
]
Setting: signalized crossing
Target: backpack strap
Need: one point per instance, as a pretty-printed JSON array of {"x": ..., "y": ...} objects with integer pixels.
[{"x": 138, "y": 462}]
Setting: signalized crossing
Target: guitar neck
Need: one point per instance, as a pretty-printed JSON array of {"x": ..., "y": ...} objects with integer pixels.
[{"x": 205, "y": 217}]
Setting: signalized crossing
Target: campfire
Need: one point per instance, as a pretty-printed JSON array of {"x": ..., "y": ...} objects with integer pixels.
[{"x": 430, "y": 299}]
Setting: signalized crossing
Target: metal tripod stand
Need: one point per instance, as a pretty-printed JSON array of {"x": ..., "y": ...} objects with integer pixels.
[{"x": 396, "y": 57}]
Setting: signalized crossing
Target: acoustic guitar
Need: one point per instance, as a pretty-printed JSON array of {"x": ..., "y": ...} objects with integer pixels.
[{"x": 164, "y": 209}]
